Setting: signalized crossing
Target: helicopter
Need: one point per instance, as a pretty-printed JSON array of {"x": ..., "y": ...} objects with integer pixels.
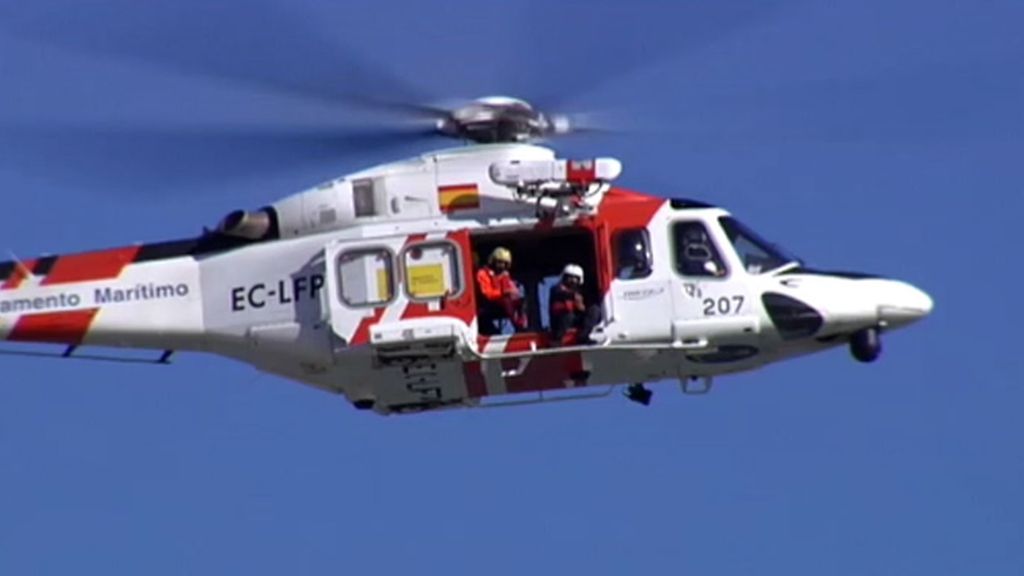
[{"x": 366, "y": 285}]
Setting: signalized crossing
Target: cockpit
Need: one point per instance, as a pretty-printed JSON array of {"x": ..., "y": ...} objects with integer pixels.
[
  {"x": 758, "y": 256},
  {"x": 697, "y": 253}
]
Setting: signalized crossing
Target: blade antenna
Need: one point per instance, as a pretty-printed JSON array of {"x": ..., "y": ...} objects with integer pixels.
[{"x": 22, "y": 268}]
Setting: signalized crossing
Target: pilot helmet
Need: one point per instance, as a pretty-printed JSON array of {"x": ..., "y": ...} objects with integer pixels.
[
  {"x": 695, "y": 244},
  {"x": 501, "y": 254},
  {"x": 573, "y": 270}
]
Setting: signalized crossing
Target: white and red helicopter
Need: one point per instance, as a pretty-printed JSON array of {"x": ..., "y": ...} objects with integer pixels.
[{"x": 365, "y": 285}]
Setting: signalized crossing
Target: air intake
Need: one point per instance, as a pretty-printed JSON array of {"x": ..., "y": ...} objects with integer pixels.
[{"x": 792, "y": 318}]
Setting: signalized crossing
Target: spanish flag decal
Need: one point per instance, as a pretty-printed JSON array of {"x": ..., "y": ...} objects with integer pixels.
[{"x": 458, "y": 197}]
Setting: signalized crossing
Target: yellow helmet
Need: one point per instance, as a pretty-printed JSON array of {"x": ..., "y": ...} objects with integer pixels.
[{"x": 501, "y": 255}]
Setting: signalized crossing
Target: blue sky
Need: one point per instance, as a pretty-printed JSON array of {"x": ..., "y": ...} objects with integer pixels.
[{"x": 882, "y": 136}]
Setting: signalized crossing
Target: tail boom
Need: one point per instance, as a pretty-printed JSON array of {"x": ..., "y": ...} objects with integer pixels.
[{"x": 106, "y": 297}]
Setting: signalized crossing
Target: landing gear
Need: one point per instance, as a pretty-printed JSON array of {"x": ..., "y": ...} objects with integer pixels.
[
  {"x": 364, "y": 404},
  {"x": 639, "y": 393},
  {"x": 866, "y": 345}
]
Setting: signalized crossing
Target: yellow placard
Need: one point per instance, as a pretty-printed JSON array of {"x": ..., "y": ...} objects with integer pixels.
[
  {"x": 383, "y": 285},
  {"x": 426, "y": 280}
]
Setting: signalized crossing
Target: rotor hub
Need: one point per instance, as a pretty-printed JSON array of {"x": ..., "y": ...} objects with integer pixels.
[{"x": 500, "y": 119}]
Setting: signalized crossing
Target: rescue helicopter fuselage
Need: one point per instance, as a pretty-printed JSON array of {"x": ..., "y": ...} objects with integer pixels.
[{"x": 365, "y": 286}]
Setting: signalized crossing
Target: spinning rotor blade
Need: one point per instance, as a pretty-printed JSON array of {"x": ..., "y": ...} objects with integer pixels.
[
  {"x": 164, "y": 159},
  {"x": 257, "y": 48},
  {"x": 255, "y": 43},
  {"x": 290, "y": 52},
  {"x": 570, "y": 51}
]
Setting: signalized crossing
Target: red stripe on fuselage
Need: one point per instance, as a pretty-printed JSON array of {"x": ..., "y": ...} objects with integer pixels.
[
  {"x": 18, "y": 275},
  {"x": 362, "y": 335},
  {"x": 88, "y": 266},
  {"x": 541, "y": 373},
  {"x": 627, "y": 209},
  {"x": 53, "y": 327},
  {"x": 621, "y": 210}
]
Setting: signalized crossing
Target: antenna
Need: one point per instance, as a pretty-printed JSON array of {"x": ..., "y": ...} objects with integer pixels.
[{"x": 24, "y": 270}]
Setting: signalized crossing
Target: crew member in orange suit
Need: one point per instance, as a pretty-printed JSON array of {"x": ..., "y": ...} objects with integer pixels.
[{"x": 500, "y": 297}]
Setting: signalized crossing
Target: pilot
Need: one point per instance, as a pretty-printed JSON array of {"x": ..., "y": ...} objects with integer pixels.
[
  {"x": 501, "y": 298},
  {"x": 634, "y": 259},
  {"x": 567, "y": 308},
  {"x": 698, "y": 257}
]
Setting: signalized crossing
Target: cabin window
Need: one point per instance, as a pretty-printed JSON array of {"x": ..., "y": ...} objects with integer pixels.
[
  {"x": 695, "y": 252},
  {"x": 432, "y": 270},
  {"x": 363, "y": 198},
  {"x": 632, "y": 254},
  {"x": 365, "y": 277}
]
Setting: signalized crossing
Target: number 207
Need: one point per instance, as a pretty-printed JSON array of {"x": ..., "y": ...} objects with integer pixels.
[{"x": 722, "y": 306}]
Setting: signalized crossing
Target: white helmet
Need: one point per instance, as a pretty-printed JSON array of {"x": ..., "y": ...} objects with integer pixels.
[{"x": 573, "y": 270}]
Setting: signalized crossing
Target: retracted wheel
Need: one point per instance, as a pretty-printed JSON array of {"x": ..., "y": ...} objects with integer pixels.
[{"x": 866, "y": 345}]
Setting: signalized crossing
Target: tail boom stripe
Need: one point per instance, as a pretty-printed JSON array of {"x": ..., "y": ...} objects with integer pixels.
[
  {"x": 19, "y": 273},
  {"x": 53, "y": 327},
  {"x": 89, "y": 266}
]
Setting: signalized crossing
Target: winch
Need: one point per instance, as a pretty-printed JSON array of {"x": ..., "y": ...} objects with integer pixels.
[{"x": 560, "y": 187}]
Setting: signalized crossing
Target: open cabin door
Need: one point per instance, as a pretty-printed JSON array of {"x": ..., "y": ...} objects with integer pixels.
[
  {"x": 400, "y": 289},
  {"x": 402, "y": 309}
]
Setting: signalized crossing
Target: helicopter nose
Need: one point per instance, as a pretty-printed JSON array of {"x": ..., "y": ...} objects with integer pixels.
[{"x": 900, "y": 303}]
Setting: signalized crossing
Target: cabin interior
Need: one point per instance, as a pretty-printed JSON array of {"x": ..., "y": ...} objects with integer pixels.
[{"x": 537, "y": 262}]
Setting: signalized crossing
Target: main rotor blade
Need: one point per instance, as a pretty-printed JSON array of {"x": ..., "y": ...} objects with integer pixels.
[
  {"x": 131, "y": 160},
  {"x": 281, "y": 48},
  {"x": 569, "y": 50}
]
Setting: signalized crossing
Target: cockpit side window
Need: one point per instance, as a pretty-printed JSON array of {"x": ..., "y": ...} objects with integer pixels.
[
  {"x": 632, "y": 254},
  {"x": 757, "y": 255},
  {"x": 695, "y": 252}
]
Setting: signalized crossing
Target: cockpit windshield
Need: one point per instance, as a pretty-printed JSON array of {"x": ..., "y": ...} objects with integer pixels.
[{"x": 757, "y": 255}]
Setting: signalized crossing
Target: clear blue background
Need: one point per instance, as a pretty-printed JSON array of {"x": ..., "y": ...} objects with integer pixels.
[{"x": 874, "y": 135}]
